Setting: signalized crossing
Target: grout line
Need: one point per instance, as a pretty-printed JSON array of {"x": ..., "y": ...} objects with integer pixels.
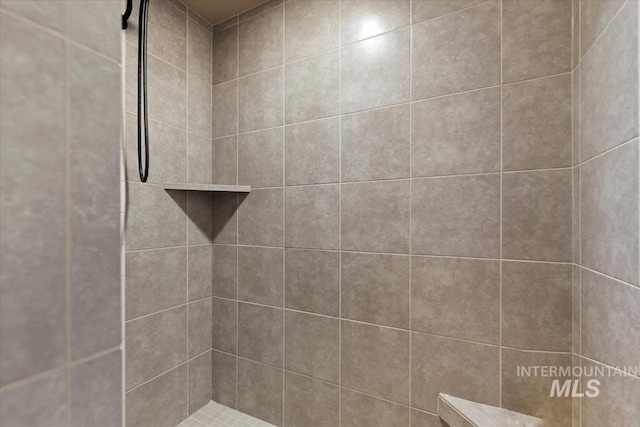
[
  {"x": 67, "y": 216},
  {"x": 410, "y": 209},
  {"x": 188, "y": 196},
  {"x": 339, "y": 214},
  {"x": 284, "y": 213},
  {"x": 165, "y": 309},
  {"x": 500, "y": 391}
]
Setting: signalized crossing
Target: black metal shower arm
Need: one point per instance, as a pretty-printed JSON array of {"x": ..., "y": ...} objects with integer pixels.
[{"x": 127, "y": 14}]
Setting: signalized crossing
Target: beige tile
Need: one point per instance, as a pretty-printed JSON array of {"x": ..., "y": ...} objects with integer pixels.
[
  {"x": 227, "y": 23},
  {"x": 424, "y": 10},
  {"x": 155, "y": 344},
  {"x": 199, "y": 382},
  {"x": 609, "y": 212},
  {"x": 576, "y": 215},
  {"x": 456, "y": 216},
  {"x": 312, "y": 281},
  {"x": 200, "y": 272},
  {"x": 46, "y": 397},
  {"x": 530, "y": 394},
  {"x": 536, "y": 215},
  {"x": 375, "y": 289},
  {"x": 459, "y": 368},
  {"x": 199, "y": 159},
  {"x": 225, "y": 52},
  {"x": 376, "y": 144},
  {"x": 576, "y": 289},
  {"x": 312, "y": 154},
  {"x": 312, "y": 217},
  {"x": 260, "y": 391},
  {"x": 536, "y": 39},
  {"x": 308, "y": 402},
  {"x": 536, "y": 131},
  {"x": 459, "y": 298},
  {"x": 311, "y": 27},
  {"x": 575, "y": 113},
  {"x": 223, "y": 381},
  {"x": 594, "y": 18},
  {"x": 375, "y": 217},
  {"x": 161, "y": 402},
  {"x": 156, "y": 280},
  {"x": 224, "y": 271},
  {"x": 260, "y": 275},
  {"x": 456, "y": 134},
  {"x": 199, "y": 51},
  {"x": 260, "y": 100},
  {"x": 225, "y": 320},
  {"x": 199, "y": 329},
  {"x": 609, "y": 312},
  {"x": 312, "y": 345},
  {"x": 312, "y": 88},
  {"x": 260, "y": 158},
  {"x": 369, "y": 348},
  {"x": 199, "y": 107},
  {"x": 360, "y": 410},
  {"x": 457, "y": 52},
  {"x": 364, "y": 19},
  {"x": 225, "y": 229},
  {"x": 536, "y": 306},
  {"x": 260, "y": 218},
  {"x": 224, "y": 109},
  {"x": 260, "y": 333},
  {"x": 609, "y": 86},
  {"x": 261, "y": 41},
  {"x": 224, "y": 152},
  {"x": 263, "y": 7},
  {"x": 167, "y": 33},
  {"x": 382, "y": 63}
]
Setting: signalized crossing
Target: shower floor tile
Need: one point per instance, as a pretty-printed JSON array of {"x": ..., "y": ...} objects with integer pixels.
[{"x": 216, "y": 415}]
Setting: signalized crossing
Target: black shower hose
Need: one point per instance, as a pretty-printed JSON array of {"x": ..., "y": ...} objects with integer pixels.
[{"x": 143, "y": 117}]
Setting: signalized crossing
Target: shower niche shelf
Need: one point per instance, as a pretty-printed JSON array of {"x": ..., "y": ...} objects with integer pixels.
[{"x": 210, "y": 188}]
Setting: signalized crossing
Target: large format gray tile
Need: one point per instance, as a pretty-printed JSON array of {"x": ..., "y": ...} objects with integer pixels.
[
  {"x": 594, "y": 18},
  {"x": 375, "y": 289},
  {"x": 225, "y": 271},
  {"x": 312, "y": 217},
  {"x": 364, "y": 19},
  {"x": 199, "y": 109},
  {"x": 312, "y": 152},
  {"x": 223, "y": 378},
  {"x": 610, "y": 312},
  {"x": 156, "y": 280},
  {"x": 261, "y": 41},
  {"x": 385, "y": 351},
  {"x": 382, "y": 63},
  {"x": 312, "y": 88},
  {"x": 424, "y": 10},
  {"x": 310, "y": 27},
  {"x": 167, "y": 88},
  {"x": 575, "y": 113},
  {"x": 260, "y": 391},
  {"x": 425, "y": 419},
  {"x": 200, "y": 381},
  {"x": 199, "y": 214},
  {"x": 200, "y": 271},
  {"x": 225, "y": 224},
  {"x": 260, "y": 100},
  {"x": 457, "y": 52},
  {"x": 32, "y": 184},
  {"x": 312, "y": 345},
  {"x": 155, "y": 217},
  {"x": 51, "y": 14},
  {"x": 162, "y": 402},
  {"x": 260, "y": 275},
  {"x": 263, "y": 7},
  {"x": 459, "y": 298},
  {"x": 96, "y": 392},
  {"x": 199, "y": 51},
  {"x": 38, "y": 403},
  {"x": 536, "y": 215},
  {"x": 460, "y": 368},
  {"x": 456, "y": 134},
  {"x": 456, "y": 216},
  {"x": 536, "y": 38},
  {"x": 312, "y": 281},
  {"x": 375, "y": 216},
  {"x": 609, "y": 86},
  {"x": 155, "y": 344},
  {"x": 260, "y": 333},
  {"x": 609, "y": 212},
  {"x": 376, "y": 144},
  {"x": 260, "y": 158},
  {"x": 224, "y": 116},
  {"x": 536, "y": 131},
  {"x": 260, "y": 218},
  {"x": 94, "y": 25},
  {"x": 225, "y": 51},
  {"x": 361, "y": 410},
  {"x": 308, "y": 402},
  {"x": 167, "y": 33},
  {"x": 200, "y": 164},
  {"x": 199, "y": 329},
  {"x": 536, "y": 306},
  {"x": 224, "y": 332},
  {"x": 224, "y": 152}
]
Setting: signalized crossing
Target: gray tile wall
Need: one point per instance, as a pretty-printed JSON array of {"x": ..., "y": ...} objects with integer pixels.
[
  {"x": 410, "y": 227},
  {"x": 606, "y": 294},
  {"x": 60, "y": 288},
  {"x": 169, "y": 253}
]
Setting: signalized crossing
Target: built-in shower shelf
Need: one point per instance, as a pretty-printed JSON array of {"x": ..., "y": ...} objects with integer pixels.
[
  {"x": 464, "y": 413},
  {"x": 211, "y": 188}
]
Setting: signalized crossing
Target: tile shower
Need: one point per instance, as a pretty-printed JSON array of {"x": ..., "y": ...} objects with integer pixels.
[{"x": 441, "y": 191}]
